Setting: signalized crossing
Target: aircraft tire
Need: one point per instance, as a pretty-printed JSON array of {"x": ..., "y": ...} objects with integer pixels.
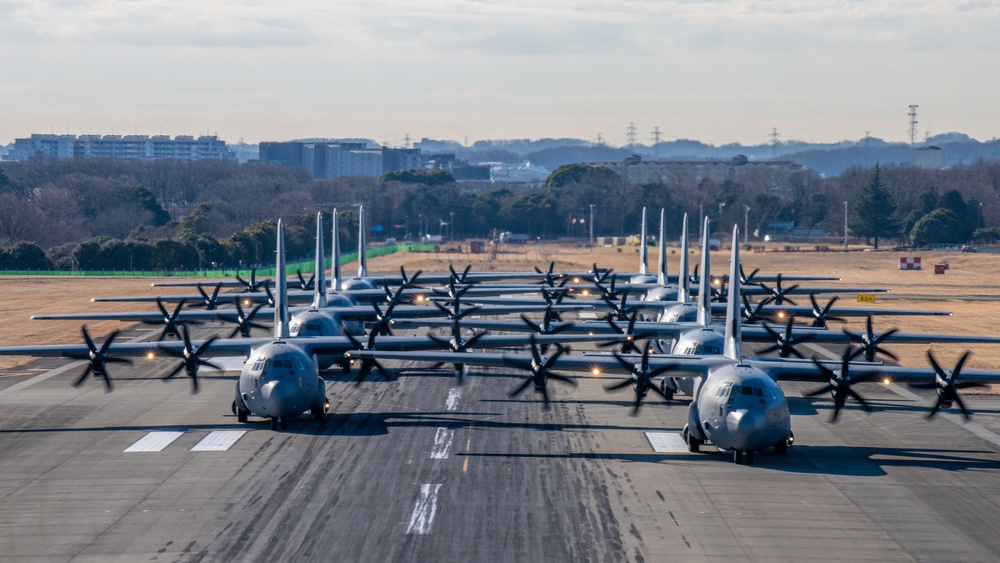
[
  {"x": 274, "y": 423},
  {"x": 241, "y": 415},
  {"x": 694, "y": 444},
  {"x": 318, "y": 414},
  {"x": 283, "y": 422},
  {"x": 738, "y": 457},
  {"x": 781, "y": 448},
  {"x": 749, "y": 457}
]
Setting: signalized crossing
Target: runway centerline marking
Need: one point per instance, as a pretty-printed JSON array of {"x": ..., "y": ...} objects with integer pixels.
[
  {"x": 153, "y": 441},
  {"x": 424, "y": 510},
  {"x": 442, "y": 443},
  {"x": 454, "y": 394},
  {"x": 218, "y": 441}
]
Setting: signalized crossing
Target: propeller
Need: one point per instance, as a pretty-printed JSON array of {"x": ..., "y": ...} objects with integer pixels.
[
  {"x": 784, "y": 343},
  {"x": 210, "y": 303},
  {"x": 541, "y": 371},
  {"x": 253, "y": 285},
  {"x": 747, "y": 279},
  {"x": 778, "y": 293},
  {"x": 870, "y": 344},
  {"x": 270, "y": 296},
  {"x": 384, "y": 318},
  {"x": 170, "y": 321},
  {"x": 99, "y": 358},
  {"x": 642, "y": 378},
  {"x": 840, "y": 384},
  {"x": 609, "y": 292},
  {"x": 822, "y": 315},
  {"x": 752, "y": 314},
  {"x": 549, "y": 278},
  {"x": 367, "y": 364},
  {"x": 459, "y": 278},
  {"x": 456, "y": 310},
  {"x": 631, "y": 337},
  {"x": 244, "y": 321},
  {"x": 409, "y": 282},
  {"x": 190, "y": 358},
  {"x": 600, "y": 274},
  {"x": 303, "y": 284},
  {"x": 947, "y": 385}
]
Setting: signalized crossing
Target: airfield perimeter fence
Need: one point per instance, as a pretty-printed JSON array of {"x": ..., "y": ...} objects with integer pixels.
[{"x": 305, "y": 266}]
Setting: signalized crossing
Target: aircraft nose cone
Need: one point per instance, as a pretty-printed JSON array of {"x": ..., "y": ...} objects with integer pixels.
[
  {"x": 279, "y": 398},
  {"x": 745, "y": 426}
]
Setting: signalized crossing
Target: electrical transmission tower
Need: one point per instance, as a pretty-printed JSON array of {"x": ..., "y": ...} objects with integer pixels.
[
  {"x": 774, "y": 142},
  {"x": 630, "y": 135},
  {"x": 656, "y": 141},
  {"x": 913, "y": 124}
]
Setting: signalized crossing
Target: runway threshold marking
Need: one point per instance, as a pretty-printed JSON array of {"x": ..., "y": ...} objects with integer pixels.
[
  {"x": 153, "y": 441},
  {"x": 218, "y": 441},
  {"x": 442, "y": 443},
  {"x": 667, "y": 442},
  {"x": 451, "y": 403},
  {"x": 424, "y": 510}
]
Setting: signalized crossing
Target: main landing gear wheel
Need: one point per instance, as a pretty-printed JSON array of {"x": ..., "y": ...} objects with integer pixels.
[
  {"x": 668, "y": 392},
  {"x": 694, "y": 444},
  {"x": 781, "y": 448},
  {"x": 241, "y": 415},
  {"x": 274, "y": 423},
  {"x": 743, "y": 456},
  {"x": 317, "y": 413}
]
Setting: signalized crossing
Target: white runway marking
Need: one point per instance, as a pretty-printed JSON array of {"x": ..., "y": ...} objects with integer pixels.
[
  {"x": 442, "y": 443},
  {"x": 454, "y": 394},
  {"x": 218, "y": 441},
  {"x": 424, "y": 510},
  {"x": 153, "y": 442},
  {"x": 667, "y": 442}
]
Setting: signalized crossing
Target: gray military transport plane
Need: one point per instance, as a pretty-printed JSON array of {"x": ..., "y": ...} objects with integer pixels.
[
  {"x": 737, "y": 404},
  {"x": 279, "y": 378}
]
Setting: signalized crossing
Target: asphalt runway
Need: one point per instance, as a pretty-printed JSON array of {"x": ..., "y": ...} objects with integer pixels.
[{"x": 422, "y": 468}]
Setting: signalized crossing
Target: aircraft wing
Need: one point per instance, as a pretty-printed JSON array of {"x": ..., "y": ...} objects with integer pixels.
[{"x": 806, "y": 370}]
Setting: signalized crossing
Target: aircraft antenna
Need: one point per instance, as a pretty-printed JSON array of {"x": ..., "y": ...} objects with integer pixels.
[{"x": 913, "y": 124}]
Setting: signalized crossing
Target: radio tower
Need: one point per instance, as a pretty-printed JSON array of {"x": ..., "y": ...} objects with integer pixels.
[
  {"x": 656, "y": 141},
  {"x": 913, "y": 124},
  {"x": 630, "y": 135}
]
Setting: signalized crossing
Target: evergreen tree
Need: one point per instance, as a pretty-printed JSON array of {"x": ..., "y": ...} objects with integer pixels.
[{"x": 874, "y": 211}]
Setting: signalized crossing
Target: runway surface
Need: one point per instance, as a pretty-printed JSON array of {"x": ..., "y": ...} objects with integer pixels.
[{"x": 425, "y": 469}]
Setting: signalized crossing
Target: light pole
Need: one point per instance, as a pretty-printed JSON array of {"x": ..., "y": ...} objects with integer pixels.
[
  {"x": 746, "y": 222},
  {"x": 420, "y": 225},
  {"x": 451, "y": 227},
  {"x": 845, "y": 226},
  {"x": 591, "y": 227}
]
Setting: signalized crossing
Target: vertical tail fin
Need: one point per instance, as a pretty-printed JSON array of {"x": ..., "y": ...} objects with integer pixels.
[
  {"x": 362, "y": 244},
  {"x": 335, "y": 275},
  {"x": 683, "y": 281},
  {"x": 734, "y": 337},
  {"x": 281, "y": 289},
  {"x": 661, "y": 266},
  {"x": 319, "y": 284},
  {"x": 644, "y": 248},
  {"x": 705, "y": 280}
]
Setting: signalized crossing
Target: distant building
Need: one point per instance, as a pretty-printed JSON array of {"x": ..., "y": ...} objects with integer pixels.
[
  {"x": 639, "y": 171},
  {"x": 929, "y": 157},
  {"x": 124, "y": 147},
  {"x": 524, "y": 173}
]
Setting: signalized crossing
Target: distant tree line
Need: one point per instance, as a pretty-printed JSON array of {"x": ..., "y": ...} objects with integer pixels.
[{"x": 111, "y": 214}]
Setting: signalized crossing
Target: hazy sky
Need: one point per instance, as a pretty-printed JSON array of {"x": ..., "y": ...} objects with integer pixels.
[{"x": 717, "y": 71}]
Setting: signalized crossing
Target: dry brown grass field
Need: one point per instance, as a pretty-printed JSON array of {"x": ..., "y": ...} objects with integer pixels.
[{"x": 968, "y": 289}]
